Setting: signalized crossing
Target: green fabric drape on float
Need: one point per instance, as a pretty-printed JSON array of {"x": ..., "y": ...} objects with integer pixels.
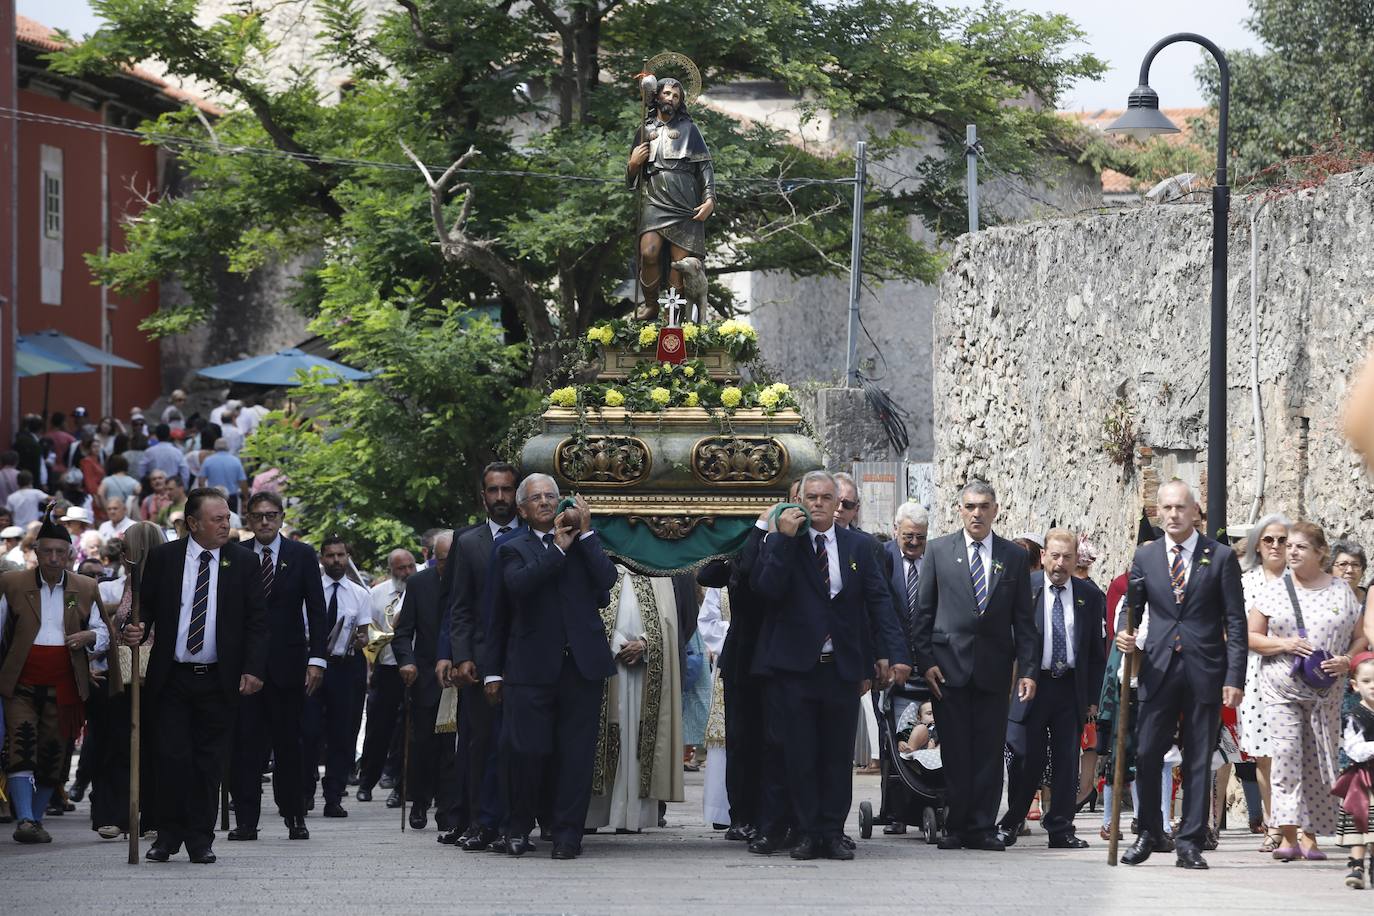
[{"x": 637, "y": 547}]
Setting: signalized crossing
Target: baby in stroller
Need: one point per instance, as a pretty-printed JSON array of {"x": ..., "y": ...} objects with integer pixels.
[{"x": 916, "y": 730}]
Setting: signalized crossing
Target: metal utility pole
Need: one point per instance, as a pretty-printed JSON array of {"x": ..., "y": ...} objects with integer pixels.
[
  {"x": 971, "y": 151},
  {"x": 856, "y": 256}
]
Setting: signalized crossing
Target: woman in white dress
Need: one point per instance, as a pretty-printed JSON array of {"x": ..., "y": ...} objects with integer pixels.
[{"x": 1264, "y": 559}]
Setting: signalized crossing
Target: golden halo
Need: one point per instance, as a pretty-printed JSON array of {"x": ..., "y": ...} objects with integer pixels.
[{"x": 691, "y": 79}]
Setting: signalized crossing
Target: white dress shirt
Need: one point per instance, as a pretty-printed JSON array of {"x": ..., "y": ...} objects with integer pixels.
[
  {"x": 355, "y": 610},
  {"x": 986, "y": 552},
  {"x": 208, "y": 654},
  {"x": 495, "y": 528},
  {"x": 108, "y": 530},
  {"x": 1047, "y": 605},
  {"x": 1188, "y": 547},
  {"x": 51, "y": 627},
  {"x": 710, "y": 623},
  {"x": 382, "y": 596}
]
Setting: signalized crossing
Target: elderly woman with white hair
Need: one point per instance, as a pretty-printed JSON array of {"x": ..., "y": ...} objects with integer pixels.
[{"x": 1264, "y": 558}]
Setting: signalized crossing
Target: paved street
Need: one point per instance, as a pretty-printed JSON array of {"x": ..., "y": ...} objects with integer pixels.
[{"x": 365, "y": 864}]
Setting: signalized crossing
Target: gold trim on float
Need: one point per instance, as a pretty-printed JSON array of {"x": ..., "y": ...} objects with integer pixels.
[
  {"x": 721, "y": 443},
  {"x": 782, "y": 420},
  {"x": 663, "y": 504},
  {"x": 570, "y": 442}
]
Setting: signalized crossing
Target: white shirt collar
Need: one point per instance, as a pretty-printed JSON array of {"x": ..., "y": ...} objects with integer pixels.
[
  {"x": 828, "y": 534},
  {"x": 259, "y": 546},
  {"x": 969, "y": 542},
  {"x": 43, "y": 583},
  {"x": 342, "y": 581},
  {"x": 1188, "y": 546},
  {"x": 194, "y": 550},
  {"x": 1067, "y": 586},
  {"x": 496, "y": 529}
]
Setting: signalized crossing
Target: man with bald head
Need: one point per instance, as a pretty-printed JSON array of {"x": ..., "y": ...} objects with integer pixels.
[
  {"x": 384, "y": 691},
  {"x": 416, "y": 647},
  {"x": 1192, "y": 662}
]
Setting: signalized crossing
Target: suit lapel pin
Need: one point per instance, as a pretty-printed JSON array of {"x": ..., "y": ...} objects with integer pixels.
[
  {"x": 224, "y": 564},
  {"x": 997, "y": 566},
  {"x": 1206, "y": 557}
]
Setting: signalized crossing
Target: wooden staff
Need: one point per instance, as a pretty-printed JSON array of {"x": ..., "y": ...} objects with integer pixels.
[
  {"x": 405, "y": 757},
  {"x": 135, "y": 715},
  {"x": 1135, "y": 608}
]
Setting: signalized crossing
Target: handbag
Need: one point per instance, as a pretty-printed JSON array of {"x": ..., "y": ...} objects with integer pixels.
[{"x": 1309, "y": 669}]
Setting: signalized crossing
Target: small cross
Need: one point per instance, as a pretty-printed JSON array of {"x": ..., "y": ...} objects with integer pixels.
[{"x": 672, "y": 304}]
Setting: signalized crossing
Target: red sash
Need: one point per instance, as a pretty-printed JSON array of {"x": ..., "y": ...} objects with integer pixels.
[{"x": 51, "y": 666}]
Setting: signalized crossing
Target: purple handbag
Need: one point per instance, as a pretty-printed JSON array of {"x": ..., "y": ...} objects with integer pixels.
[{"x": 1309, "y": 669}]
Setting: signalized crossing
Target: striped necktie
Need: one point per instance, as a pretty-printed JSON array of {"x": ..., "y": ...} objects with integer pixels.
[
  {"x": 1176, "y": 573},
  {"x": 913, "y": 581},
  {"x": 200, "y": 606},
  {"x": 980, "y": 578},
  {"x": 823, "y": 561},
  {"x": 269, "y": 573}
]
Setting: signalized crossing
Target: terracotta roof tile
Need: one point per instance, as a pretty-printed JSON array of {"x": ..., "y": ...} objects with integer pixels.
[{"x": 37, "y": 35}]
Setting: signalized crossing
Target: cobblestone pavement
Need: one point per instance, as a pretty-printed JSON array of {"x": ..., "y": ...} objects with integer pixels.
[{"x": 365, "y": 864}]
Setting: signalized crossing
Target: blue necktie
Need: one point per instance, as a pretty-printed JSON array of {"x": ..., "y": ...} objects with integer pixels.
[
  {"x": 980, "y": 579},
  {"x": 1059, "y": 634}
]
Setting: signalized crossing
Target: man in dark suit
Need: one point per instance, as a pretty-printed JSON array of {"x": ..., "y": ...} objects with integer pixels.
[
  {"x": 902, "y": 565},
  {"x": 1072, "y": 660},
  {"x": 468, "y": 578},
  {"x": 416, "y": 643},
  {"x": 270, "y": 720},
  {"x": 547, "y": 655},
  {"x": 974, "y": 621},
  {"x": 202, "y": 597},
  {"x": 824, "y": 588},
  {"x": 1193, "y": 661},
  {"x": 26, "y": 445}
]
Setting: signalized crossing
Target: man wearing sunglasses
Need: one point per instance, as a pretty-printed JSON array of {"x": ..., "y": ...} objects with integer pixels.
[{"x": 270, "y": 720}]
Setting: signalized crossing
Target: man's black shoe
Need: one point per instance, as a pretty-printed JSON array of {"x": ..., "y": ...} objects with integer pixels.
[
  {"x": 764, "y": 845},
  {"x": 1140, "y": 850},
  {"x": 156, "y": 853},
  {"x": 987, "y": 844},
  {"x": 482, "y": 839},
  {"x": 848, "y": 842},
  {"x": 1067, "y": 841},
  {"x": 742, "y": 832},
  {"x": 296, "y": 829},
  {"x": 363, "y": 795},
  {"x": 394, "y": 799},
  {"x": 807, "y": 848},
  {"x": 518, "y": 845},
  {"x": 564, "y": 851},
  {"x": 1007, "y": 835},
  {"x": 386, "y": 782},
  {"x": 1189, "y": 857},
  {"x": 949, "y": 841},
  {"x": 204, "y": 857},
  {"x": 77, "y": 791},
  {"x": 450, "y": 837},
  {"x": 334, "y": 809},
  {"x": 419, "y": 817},
  {"x": 790, "y": 839},
  {"x": 834, "y": 848},
  {"x": 244, "y": 833}
]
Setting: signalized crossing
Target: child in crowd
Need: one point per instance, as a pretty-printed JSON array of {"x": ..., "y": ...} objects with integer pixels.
[
  {"x": 916, "y": 730},
  {"x": 1353, "y": 786}
]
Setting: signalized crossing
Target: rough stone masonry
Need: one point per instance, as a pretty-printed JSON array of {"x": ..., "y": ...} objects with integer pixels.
[{"x": 1070, "y": 363}]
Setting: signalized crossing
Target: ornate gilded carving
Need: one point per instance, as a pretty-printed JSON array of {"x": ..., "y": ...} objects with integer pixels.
[
  {"x": 740, "y": 459},
  {"x": 672, "y": 527},
  {"x": 612, "y": 461}
]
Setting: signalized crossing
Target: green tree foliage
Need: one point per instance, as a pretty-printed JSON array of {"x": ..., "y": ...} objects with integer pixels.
[{"x": 1313, "y": 81}]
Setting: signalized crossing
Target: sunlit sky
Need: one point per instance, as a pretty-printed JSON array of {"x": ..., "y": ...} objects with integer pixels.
[{"x": 1118, "y": 33}]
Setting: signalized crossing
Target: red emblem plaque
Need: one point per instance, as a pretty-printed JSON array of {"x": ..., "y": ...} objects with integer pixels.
[{"x": 671, "y": 346}]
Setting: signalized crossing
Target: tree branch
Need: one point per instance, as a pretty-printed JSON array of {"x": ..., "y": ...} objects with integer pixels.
[{"x": 418, "y": 28}]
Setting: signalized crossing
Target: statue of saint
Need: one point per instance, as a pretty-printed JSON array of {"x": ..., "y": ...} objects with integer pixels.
[{"x": 670, "y": 158}]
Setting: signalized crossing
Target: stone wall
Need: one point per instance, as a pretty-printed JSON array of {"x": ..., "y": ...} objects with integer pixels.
[{"x": 1043, "y": 331}]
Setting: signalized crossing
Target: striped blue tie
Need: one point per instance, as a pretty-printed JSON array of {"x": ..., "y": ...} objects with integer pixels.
[
  {"x": 200, "y": 606},
  {"x": 980, "y": 578}
]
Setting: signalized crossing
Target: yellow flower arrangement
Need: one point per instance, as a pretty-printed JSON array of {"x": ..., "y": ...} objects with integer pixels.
[
  {"x": 614, "y": 398},
  {"x": 690, "y": 331},
  {"x": 730, "y": 396},
  {"x": 689, "y": 371},
  {"x": 659, "y": 396},
  {"x": 602, "y": 335},
  {"x": 768, "y": 397},
  {"x": 564, "y": 397},
  {"x": 648, "y": 336},
  {"x": 692, "y": 399}
]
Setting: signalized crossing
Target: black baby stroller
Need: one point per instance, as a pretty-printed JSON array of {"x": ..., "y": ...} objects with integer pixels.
[{"x": 912, "y": 793}]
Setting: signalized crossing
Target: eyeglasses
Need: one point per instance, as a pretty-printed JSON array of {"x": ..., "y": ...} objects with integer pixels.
[
  {"x": 541, "y": 498},
  {"x": 1271, "y": 540},
  {"x": 263, "y": 516},
  {"x": 914, "y": 538},
  {"x": 1348, "y": 564},
  {"x": 849, "y": 504}
]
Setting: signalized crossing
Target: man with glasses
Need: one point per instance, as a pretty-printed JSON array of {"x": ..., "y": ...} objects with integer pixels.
[
  {"x": 547, "y": 658},
  {"x": 270, "y": 721}
]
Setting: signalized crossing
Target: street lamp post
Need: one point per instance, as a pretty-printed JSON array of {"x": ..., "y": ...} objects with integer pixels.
[{"x": 1143, "y": 119}]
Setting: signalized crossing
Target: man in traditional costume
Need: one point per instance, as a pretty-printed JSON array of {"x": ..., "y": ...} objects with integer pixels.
[
  {"x": 51, "y": 623},
  {"x": 639, "y": 748}
]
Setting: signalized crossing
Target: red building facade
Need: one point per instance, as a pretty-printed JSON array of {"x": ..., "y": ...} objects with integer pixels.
[{"x": 71, "y": 185}]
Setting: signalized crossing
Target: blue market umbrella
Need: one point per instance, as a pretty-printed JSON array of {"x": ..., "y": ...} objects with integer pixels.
[
  {"x": 282, "y": 368},
  {"x": 72, "y": 350},
  {"x": 31, "y": 359}
]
